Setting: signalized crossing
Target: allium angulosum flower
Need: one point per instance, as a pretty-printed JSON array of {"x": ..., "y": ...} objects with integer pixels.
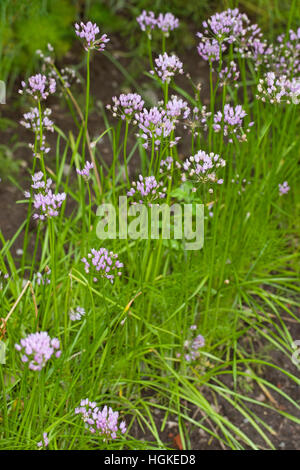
[
  {"x": 44, "y": 200},
  {"x": 155, "y": 125},
  {"x": 76, "y": 314},
  {"x": 193, "y": 346},
  {"x": 283, "y": 188},
  {"x": 37, "y": 349},
  {"x": 167, "y": 66},
  {"x": 39, "y": 86},
  {"x": 209, "y": 49},
  {"x": 31, "y": 120},
  {"x": 165, "y": 22},
  {"x": 232, "y": 121},
  {"x": 88, "y": 33},
  {"x": 275, "y": 89},
  {"x": 229, "y": 25},
  {"x": 44, "y": 442},
  {"x": 126, "y": 105},
  {"x": 176, "y": 107},
  {"x": 103, "y": 264},
  {"x": 101, "y": 422},
  {"x": 148, "y": 189},
  {"x": 202, "y": 167},
  {"x": 85, "y": 172},
  {"x": 147, "y": 21}
]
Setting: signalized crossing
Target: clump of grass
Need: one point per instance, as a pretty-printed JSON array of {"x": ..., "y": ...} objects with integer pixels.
[{"x": 144, "y": 324}]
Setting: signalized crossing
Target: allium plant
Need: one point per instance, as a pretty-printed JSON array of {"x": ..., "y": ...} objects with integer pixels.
[
  {"x": 31, "y": 120},
  {"x": 85, "y": 172},
  {"x": 202, "y": 168},
  {"x": 88, "y": 33},
  {"x": 126, "y": 105},
  {"x": 37, "y": 120},
  {"x": 283, "y": 188},
  {"x": 167, "y": 22},
  {"x": 229, "y": 25},
  {"x": 275, "y": 89},
  {"x": 76, "y": 314},
  {"x": 102, "y": 264},
  {"x": 39, "y": 87},
  {"x": 231, "y": 120},
  {"x": 147, "y": 21},
  {"x": 44, "y": 442},
  {"x": 167, "y": 66},
  {"x": 45, "y": 202},
  {"x": 177, "y": 108},
  {"x": 229, "y": 74},
  {"x": 103, "y": 423},
  {"x": 209, "y": 48},
  {"x": 37, "y": 349},
  {"x": 198, "y": 120},
  {"x": 147, "y": 190},
  {"x": 192, "y": 346},
  {"x": 155, "y": 126}
]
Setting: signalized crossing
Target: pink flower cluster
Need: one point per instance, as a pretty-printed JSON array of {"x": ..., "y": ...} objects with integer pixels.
[
  {"x": 37, "y": 349},
  {"x": 177, "y": 106},
  {"x": 148, "y": 188},
  {"x": 31, "y": 120},
  {"x": 283, "y": 188},
  {"x": 167, "y": 66},
  {"x": 44, "y": 442},
  {"x": 155, "y": 125},
  {"x": 85, "y": 172},
  {"x": 39, "y": 86},
  {"x": 226, "y": 26},
  {"x": 165, "y": 22},
  {"x": 275, "y": 89},
  {"x": 105, "y": 264},
  {"x": 202, "y": 167},
  {"x": 88, "y": 33},
  {"x": 77, "y": 314},
  {"x": 192, "y": 346},
  {"x": 209, "y": 49},
  {"x": 232, "y": 121},
  {"x": 103, "y": 422},
  {"x": 126, "y": 105},
  {"x": 45, "y": 201}
]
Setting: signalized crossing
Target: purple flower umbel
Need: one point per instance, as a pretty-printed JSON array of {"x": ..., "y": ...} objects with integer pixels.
[
  {"x": 85, "y": 172},
  {"x": 148, "y": 189},
  {"x": 88, "y": 33},
  {"x": 202, "y": 167},
  {"x": 283, "y": 188},
  {"x": 44, "y": 200},
  {"x": 37, "y": 349},
  {"x": 104, "y": 264},
  {"x": 39, "y": 86},
  {"x": 126, "y": 105},
  {"x": 44, "y": 442},
  {"x": 167, "y": 66},
  {"x": 232, "y": 122},
  {"x": 103, "y": 422}
]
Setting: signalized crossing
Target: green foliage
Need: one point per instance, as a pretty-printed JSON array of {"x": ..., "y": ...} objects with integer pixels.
[{"x": 28, "y": 26}]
